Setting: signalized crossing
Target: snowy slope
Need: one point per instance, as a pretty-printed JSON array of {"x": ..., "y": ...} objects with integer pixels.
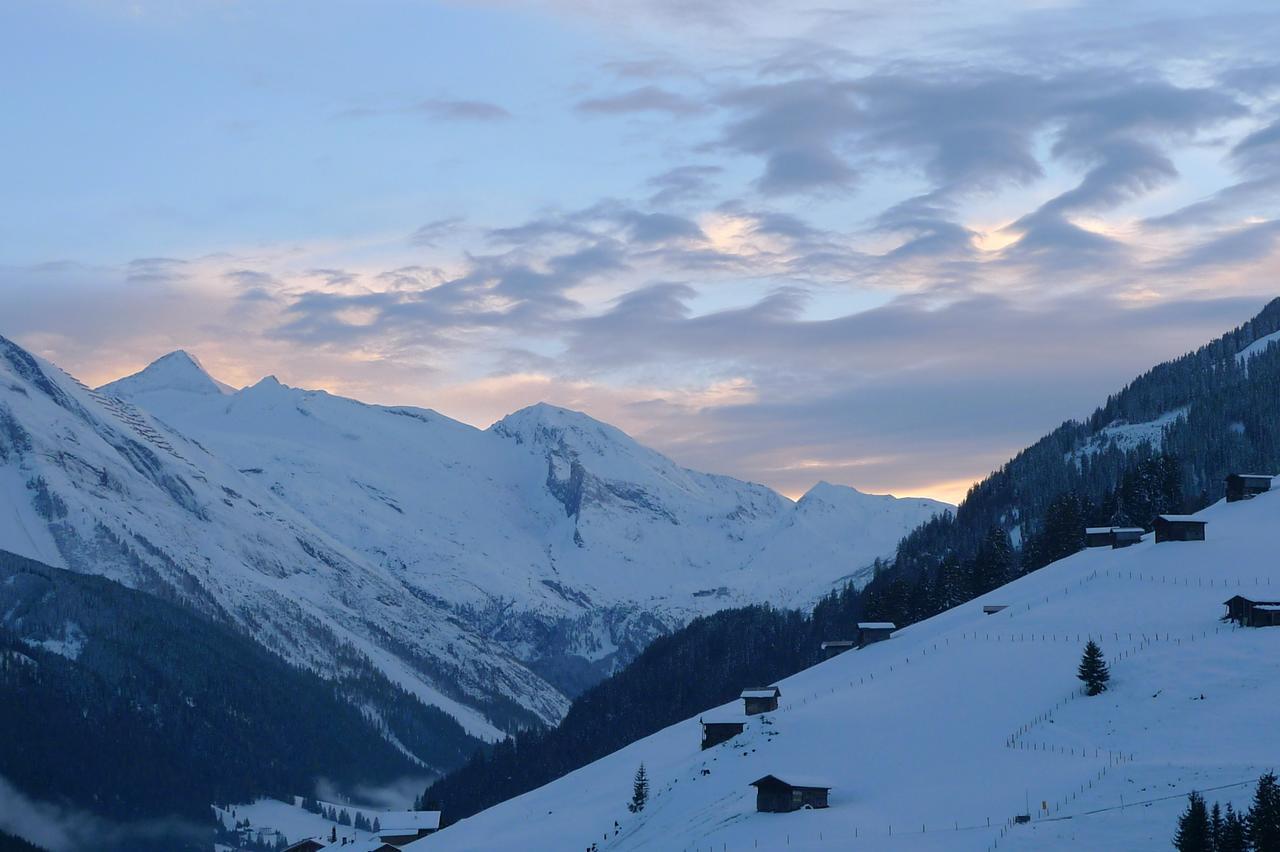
[
  {"x": 553, "y": 533},
  {"x": 964, "y": 717},
  {"x": 1257, "y": 347},
  {"x": 491, "y": 572}
]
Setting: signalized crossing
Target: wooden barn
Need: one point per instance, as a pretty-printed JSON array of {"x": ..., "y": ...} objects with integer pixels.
[
  {"x": 720, "y": 731},
  {"x": 1178, "y": 528},
  {"x": 870, "y": 632},
  {"x": 1265, "y": 615},
  {"x": 775, "y": 795},
  {"x": 1097, "y": 536},
  {"x": 1246, "y": 486},
  {"x": 835, "y": 647},
  {"x": 1242, "y": 611},
  {"x": 992, "y": 609},
  {"x": 1125, "y": 536},
  {"x": 397, "y": 828},
  {"x": 760, "y": 699}
]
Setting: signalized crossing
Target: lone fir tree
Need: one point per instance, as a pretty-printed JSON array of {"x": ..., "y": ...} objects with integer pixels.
[
  {"x": 1263, "y": 821},
  {"x": 1093, "y": 669},
  {"x": 639, "y": 791}
]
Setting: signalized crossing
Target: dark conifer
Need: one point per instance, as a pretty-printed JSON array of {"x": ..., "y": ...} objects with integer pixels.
[
  {"x": 1093, "y": 669},
  {"x": 1193, "y": 827},
  {"x": 639, "y": 791},
  {"x": 1263, "y": 822}
]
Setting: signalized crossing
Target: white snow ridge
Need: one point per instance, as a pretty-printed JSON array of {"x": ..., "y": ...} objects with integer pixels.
[{"x": 481, "y": 569}]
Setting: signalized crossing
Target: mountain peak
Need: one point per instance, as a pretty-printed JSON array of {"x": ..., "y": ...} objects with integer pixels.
[{"x": 177, "y": 371}]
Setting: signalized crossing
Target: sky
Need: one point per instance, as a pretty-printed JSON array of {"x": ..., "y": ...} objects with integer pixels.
[{"x": 883, "y": 244}]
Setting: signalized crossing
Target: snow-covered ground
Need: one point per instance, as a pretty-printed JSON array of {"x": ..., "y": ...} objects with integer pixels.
[
  {"x": 936, "y": 738},
  {"x": 1127, "y": 436},
  {"x": 480, "y": 569}
]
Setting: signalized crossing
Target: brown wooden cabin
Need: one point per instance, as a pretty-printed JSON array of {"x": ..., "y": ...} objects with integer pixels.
[
  {"x": 720, "y": 731},
  {"x": 870, "y": 632},
  {"x": 835, "y": 647},
  {"x": 1125, "y": 536},
  {"x": 777, "y": 796},
  {"x": 992, "y": 609},
  {"x": 760, "y": 699},
  {"x": 308, "y": 845},
  {"x": 1097, "y": 536},
  {"x": 1250, "y": 613},
  {"x": 401, "y": 827},
  {"x": 1178, "y": 528},
  {"x": 1246, "y": 486}
]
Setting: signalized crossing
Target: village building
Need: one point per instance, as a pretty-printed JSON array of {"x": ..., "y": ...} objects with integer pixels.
[
  {"x": 992, "y": 609},
  {"x": 309, "y": 845},
  {"x": 1125, "y": 536},
  {"x": 400, "y": 827},
  {"x": 1248, "y": 612},
  {"x": 760, "y": 699},
  {"x": 835, "y": 647},
  {"x": 777, "y": 795},
  {"x": 1113, "y": 537},
  {"x": 870, "y": 632},
  {"x": 720, "y": 731},
  {"x": 1246, "y": 486},
  {"x": 1178, "y": 528}
]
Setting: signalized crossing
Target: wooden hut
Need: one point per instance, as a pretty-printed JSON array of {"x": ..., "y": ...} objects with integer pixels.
[
  {"x": 992, "y": 609},
  {"x": 720, "y": 731},
  {"x": 1125, "y": 536},
  {"x": 1246, "y": 486},
  {"x": 1265, "y": 615},
  {"x": 870, "y": 632},
  {"x": 760, "y": 699},
  {"x": 1178, "y": 528},
  {"x": 775, "y": 795},
  {"x": 1097, "y": 536},
  {"x": 835, "y": 647},
  {"x": 398, "y": 828},
  {"x": 1242, "y": 610}
]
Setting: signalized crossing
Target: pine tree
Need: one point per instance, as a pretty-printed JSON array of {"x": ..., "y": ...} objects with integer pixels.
[
  {"x": 1093, "y": 669},
  {"x": 639, "y": 791},
  {"x": 1233, "y": 837},
  {"x": 1215, "y": 827},
  {"x": 1263, "y": 821},
  {"x": 1193, "y": 827}
]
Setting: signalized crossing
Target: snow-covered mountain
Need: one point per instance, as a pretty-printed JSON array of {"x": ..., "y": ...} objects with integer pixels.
[
  {"x": 491, "y": 572},
  {"x": 938, "y": 737}
]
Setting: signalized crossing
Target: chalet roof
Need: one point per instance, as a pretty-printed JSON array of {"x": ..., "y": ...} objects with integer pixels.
[
  {"x": 761, "y": 692},
  {"x": 403, "y": 822},
  {"x": 790, "y": 779},
  {"x": 1268, "y": 607},
  {"x": 1265, "y": 476},
  {"x": 830, "y": 643},
  {"x": 1097, "y": 530},
  {"x": 1180, "y": 519},
  {"x": 1139, "y": 530},
  {"x": 725, "y": 720},
  {"x": 1249, "y": 600},
  {"x": 877, "y": 625}
]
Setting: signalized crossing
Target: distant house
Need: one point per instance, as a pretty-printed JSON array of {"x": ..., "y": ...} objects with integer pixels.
[
  {"x": 778, "y": 796},
  {"x": 760, "y": 699},
  {"x": 1097, "y": 536},
  {"x": 834, "y": 647},
  {"x": 1178, "y": 528},
  {"x": 1125, "y": 536},
  {"x": 1246, "y": 486},
  {"x": 1250, "y": 613},
  {"x": 992, "y": 609},
  {"x": 397, "y": 828},
  {"x": 308, "y": 845},
  {"x": 1112, "y": 536},
  {"x": 870, "y": 632},
  {"x": 720, "y": 731}
]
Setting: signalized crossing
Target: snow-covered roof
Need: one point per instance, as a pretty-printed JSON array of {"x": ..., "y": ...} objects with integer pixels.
[
  {"x": 1128, "y": 530},
  {"x": 761, "y": 692},
  {"x": 877, "y": 625},
  {"x": 1181, "y": 519},
  {"x": 1097, "y": 530},
  {"x": 836, "y": 642},
  {"x": 725, "y": 720},
  {"x": 1266, "y": 476},
  {"x": 792, "y": 779},
  {"x": 1268, "y": 607},
  {"x": 393, "y": 822}
]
